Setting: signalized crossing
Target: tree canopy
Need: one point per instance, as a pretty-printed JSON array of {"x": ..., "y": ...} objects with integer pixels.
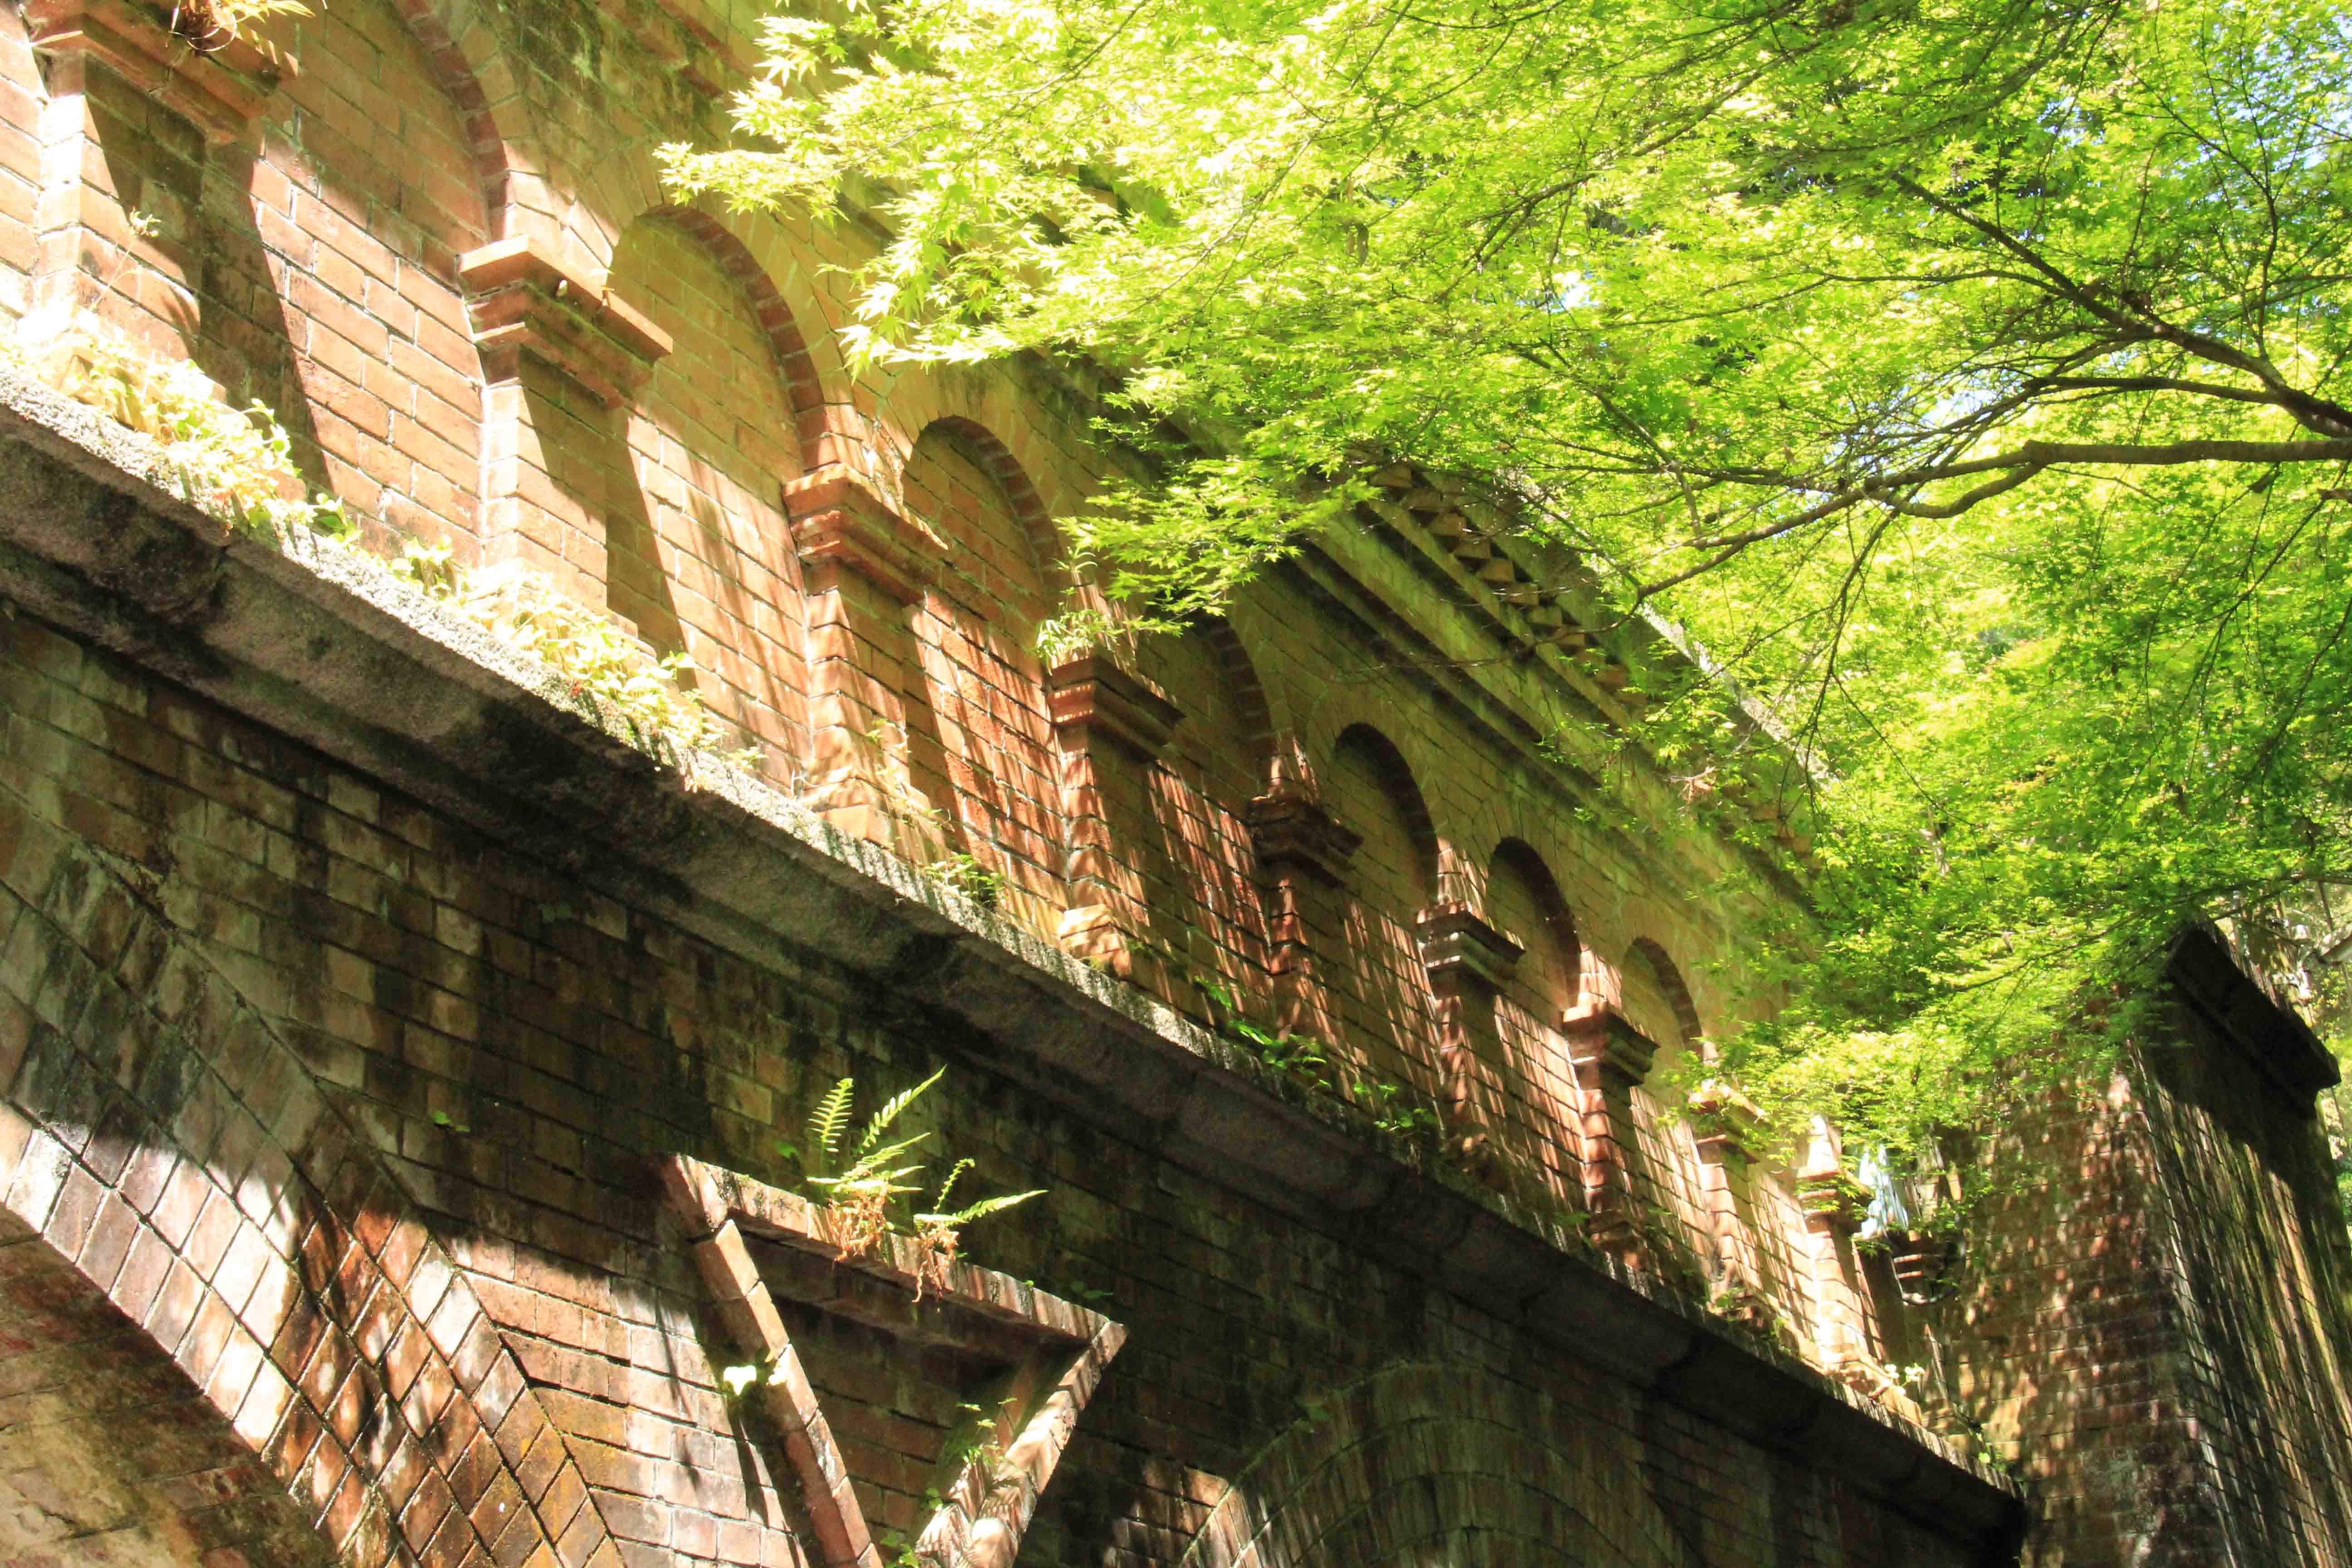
[{"x": 1968, "y": 375}]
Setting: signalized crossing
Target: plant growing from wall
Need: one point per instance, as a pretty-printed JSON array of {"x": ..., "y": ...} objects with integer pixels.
[
  {"x": 967, "y": 876},
  {"x": 238, "y": 466},
  {"x": 1081, "y": 632},
  {"x": 235, "y": 464},
  {"x": 602, "y": 663},
  {"x": 867, "y": 1199},
  {"x": 208, "y": 27}
]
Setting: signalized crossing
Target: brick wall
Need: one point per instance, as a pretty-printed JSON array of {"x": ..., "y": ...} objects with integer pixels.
[
  {"x": 2146, "y": 1320},
  {"x": 438, "y": 249},
  {"x": 353, "y": 1111}
]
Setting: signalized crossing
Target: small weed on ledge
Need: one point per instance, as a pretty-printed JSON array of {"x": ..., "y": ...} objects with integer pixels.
[
  {"x": 965, "y": 875},
  {"x": 238, "y": 465},
  {"x": 590, "y": 651},
  {"x": 235, "y": 464}
]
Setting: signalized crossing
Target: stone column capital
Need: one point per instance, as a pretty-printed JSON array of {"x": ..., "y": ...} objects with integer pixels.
[
  {"x": 841, "y": 521},
  {"x": 1290, "y": 829},
  {"x": 1090, "y": 697},
  {"x": 1604, "y": 1041},
  {"x": 1834, "y": 1202},
  {"x": 221, "y": 83},
  {"x": 1460, "y": 948},
  {"x": 1723, "y": 1123},
  {"x": 527, "y": 299}
]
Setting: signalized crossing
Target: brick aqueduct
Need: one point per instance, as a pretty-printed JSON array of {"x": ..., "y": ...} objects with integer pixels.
[{"x": 397, "y": 1059}]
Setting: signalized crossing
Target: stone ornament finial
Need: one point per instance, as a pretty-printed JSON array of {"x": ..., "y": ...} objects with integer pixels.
[{"x": 1834, "y": 1202}]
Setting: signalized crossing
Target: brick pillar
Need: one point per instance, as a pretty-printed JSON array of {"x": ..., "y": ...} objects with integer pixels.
[
  {"x": 866, "y": 566},
  {"x": 220, "y": 88},
  {"x": 1305, "y": 851},
  {"x": 1723, "y": 1124},
  {"x": 1611, "y": 1058},
  {"x": 561, "y": 358},
  {"x": 1834, "y": 1204},
  {"x": 171, "y": 102},
  {"x": 1468, "y": 962},
  {"x": 1113, "y": 726}
]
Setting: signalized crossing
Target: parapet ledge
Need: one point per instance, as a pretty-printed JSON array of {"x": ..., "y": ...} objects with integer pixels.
[{"x": 319, "y": 642}]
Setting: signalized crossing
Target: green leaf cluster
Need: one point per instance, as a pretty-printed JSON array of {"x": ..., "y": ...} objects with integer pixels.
[{"x": 1964, "y": 375}]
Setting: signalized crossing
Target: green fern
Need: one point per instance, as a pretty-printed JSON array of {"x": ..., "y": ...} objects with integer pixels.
[
  {"x": 981, "y": 1210},
  {"x": 890, "y": 1113},
  {"x": 826, "y": 1123},
  {"x": 861, "y": 1198},
  {"x": 871, "y": 1179}
]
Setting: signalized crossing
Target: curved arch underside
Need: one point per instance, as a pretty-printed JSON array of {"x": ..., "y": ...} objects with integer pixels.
[
  {"x": 110, "y": 1456},
  {"x": 1437, "y": 1466}
]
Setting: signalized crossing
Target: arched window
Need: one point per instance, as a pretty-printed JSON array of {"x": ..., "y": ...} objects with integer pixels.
[
  {"x": 996, "y": 777},
  {"x": 1542, "y": 1104},
  {"x": 385, "y": 378},
  {"x": 1201, "y": 876},
  {"x": 1372, "y": 791},
  {"x": 699, "y": 553},
  {"x": 1656, "y": 1001}
]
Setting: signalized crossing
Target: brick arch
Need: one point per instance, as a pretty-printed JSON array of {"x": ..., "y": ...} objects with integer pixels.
[
  {"x": 796, "y": 368},
  {"x": 164, "y": 1134},
  {"x": 386, "y": 381},
  {"x": 1394, "y": 776},
  {"x": 1390, "y": 1011},
  {"x": 698, "y": 552},
  {"x": 1673, "y": 990},
  {"x": 1437, "y": 1462},
  {"x": 1532, "y": 1080},
  {"x": 981, "y": 741},
  {"x": 1246, "y": 692},
  {"x": 1321, "y": 722},
  {"x": 1029, "y": 509},
  {"x": 1192, "y": 843},
  {"x": 1554, "y": 963},
  {"x": 460, "y": 76},
  {"x": 112, "y": 1453},
  {"x": 1671, "y": 1172}
]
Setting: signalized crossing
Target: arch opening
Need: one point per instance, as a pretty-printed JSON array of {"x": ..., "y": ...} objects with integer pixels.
[
  {"x": 111, "y": 1453},
  {"x": 979, "y": 741},
  {"x": 1372, "y": 790}
]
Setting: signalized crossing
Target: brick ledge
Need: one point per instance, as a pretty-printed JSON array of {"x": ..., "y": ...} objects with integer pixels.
[{"x": 318, "y": 642}]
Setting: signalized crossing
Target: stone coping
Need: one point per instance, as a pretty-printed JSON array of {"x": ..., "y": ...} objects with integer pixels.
[{"x": 319, "y": 642}]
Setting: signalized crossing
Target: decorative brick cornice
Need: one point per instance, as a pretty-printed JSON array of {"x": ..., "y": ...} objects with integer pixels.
[
  {"x": 1601, "y": 1035},
  {"x": 1090, "y": 697},
  {"x": 840, "y": 521},
  {"x": 220, "y": 82},
  {"x": 1287, "y": 829},
  {"x": 525, "y": 300},
  {"x": 1459, "y": 949}
]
